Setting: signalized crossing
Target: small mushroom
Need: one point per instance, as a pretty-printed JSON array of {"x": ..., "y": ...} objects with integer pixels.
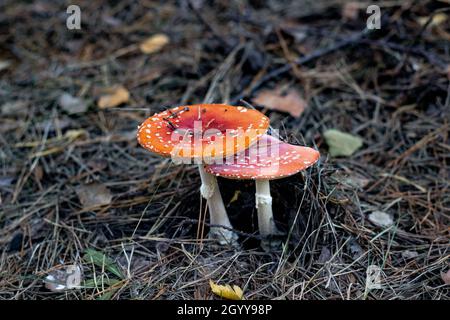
[
  {"x": 266, "y": 160},
  {"x": 204, "y": 133}
]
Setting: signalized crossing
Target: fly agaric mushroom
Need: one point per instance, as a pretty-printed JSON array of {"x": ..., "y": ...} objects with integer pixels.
[
  {"x": 204, "y": 133},
  {"x": 266, "y": 160}
]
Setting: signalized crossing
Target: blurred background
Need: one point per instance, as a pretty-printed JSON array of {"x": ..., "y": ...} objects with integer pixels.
[{"x": 369, "y": 91}]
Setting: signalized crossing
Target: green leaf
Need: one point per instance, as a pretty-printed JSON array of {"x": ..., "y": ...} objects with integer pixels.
[
  {"x": 101, "y": 260},
  {"x": 94, "y": 284},
  {"x": 341, "y": 143},
  {"x": 109, "y": 291},
  {"x": 108, "y": 294}
]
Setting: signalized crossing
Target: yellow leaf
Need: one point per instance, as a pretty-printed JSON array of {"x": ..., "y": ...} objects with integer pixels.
[
  {"x": 226, "y": 291},
  {"x": 116, "y": 96},
  {"x": 235, "y": 196},
  {"x": 72, "y": 135},
  {"x": 154, "y": 44},
  {"x": 437, "y": 19},
  {"x": 69, "y": 136},
  {"x": 45, "y": 152}
]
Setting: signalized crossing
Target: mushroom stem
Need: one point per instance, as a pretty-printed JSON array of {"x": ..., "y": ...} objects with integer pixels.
[
  {"x": 263, "y": 201},
  {"x": 217, "y": 213}
]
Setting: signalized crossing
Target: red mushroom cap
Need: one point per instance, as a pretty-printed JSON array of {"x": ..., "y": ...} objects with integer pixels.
[
  {"x": 202, "y": 130},
  {"x": 267, "y": 159}
]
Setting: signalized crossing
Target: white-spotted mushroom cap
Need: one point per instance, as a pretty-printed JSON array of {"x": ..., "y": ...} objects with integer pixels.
[
  {"x": 202, "y": 131},
  {"x": 267, "y": 159}
]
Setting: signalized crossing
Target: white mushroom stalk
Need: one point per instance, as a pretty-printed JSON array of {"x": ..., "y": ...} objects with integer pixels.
[
  {"x": 263, "y": 201},
  {"x": 221, "y": 228}
]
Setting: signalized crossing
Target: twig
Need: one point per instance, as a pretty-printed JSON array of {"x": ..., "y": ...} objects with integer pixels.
[
  {"x": 313, "y": 56},
  {"x": 215, "y": 34},
  {"x": 432, "y": 58},
  {"x": 418, "y": 36}
]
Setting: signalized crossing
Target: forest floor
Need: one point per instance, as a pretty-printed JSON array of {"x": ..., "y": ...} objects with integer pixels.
[{"x": 77, "y": 190}]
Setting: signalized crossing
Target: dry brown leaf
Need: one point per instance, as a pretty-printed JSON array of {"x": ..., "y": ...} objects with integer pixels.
[
  {"x": 350, "y": 10},
  {"x": 114, "y": 97},
  {"x": 71, "y": 104},
  {"x": 154, "y": 44},
  {"x": 94, "y": 195},
  {"x": 38, "y": 173},
  {"x": 64, "y": 278},
  {"x": 446, "y": 277},
  {"x": 226, "y": 291},
  {"x": 409, "y": 254},
  {"x": 290, "y": 102},
  {"x": 381, "y": 219}
]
